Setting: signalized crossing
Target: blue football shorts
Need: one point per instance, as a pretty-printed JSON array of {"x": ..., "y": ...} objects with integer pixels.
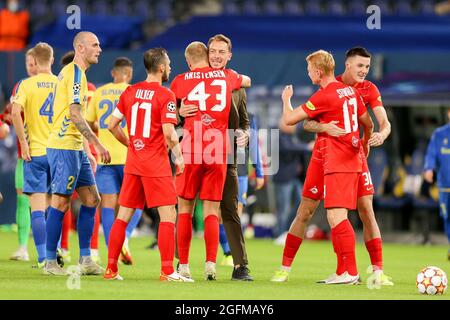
[
  {"x": 36, "y": 175},
  {"x": 69, "y": 169},
  {"x": 109, "y": 178}
]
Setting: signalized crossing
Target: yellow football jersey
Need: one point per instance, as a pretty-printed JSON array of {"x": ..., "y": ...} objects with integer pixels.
[
  {"x": 35, "y": 95},
  {"x": 100, "y": 109},
  {"x": 71, "y": 89}
]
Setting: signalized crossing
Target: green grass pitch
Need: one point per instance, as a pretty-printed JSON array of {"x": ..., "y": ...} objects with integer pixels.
[{"x": 315, "y": 261}]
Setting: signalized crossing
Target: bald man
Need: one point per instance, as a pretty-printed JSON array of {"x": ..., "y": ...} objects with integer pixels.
[{"x": 69, "y": 156}]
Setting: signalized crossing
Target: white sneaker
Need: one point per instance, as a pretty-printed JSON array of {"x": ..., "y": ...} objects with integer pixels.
[
  {"x": 20, "y": 255},
  {"x": 53, "y": 268},
  {"x": 183, "y": 270},
  {"x": 345, "y": 278},
  {"x": 174, "y": 277},
  {"x": 210, "y": 270},
  {"x": 89, "y": 267},
  {"x": 281, "y": 240},
  {"x": 330, "y": 278}
]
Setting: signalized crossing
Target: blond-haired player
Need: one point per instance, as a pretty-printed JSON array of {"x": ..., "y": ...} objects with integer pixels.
[{"x": 34, "y": 97}]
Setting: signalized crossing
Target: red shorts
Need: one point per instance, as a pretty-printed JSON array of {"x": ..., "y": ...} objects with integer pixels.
[
  {"x": 155, "y": 191},
  {"x": 313, "y": 185},
  {"x": 209, "y": 179},
  {"x": 365, "y": 186},
  {"x": 341, "y": 189}
]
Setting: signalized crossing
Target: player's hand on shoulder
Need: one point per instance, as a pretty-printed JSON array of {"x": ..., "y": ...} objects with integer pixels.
[
  {"x": 333, "y": 130},
  {"x": 376, "y": 139},
  {"x": 187, "y": 110}
]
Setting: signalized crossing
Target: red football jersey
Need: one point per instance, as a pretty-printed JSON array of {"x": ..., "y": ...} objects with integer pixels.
[
  {"x": 369, "y": 92},
  {"x": 338, "y": 102},
  {"x": 210, "y": 89},
  {"x": 146, "y": 107}
]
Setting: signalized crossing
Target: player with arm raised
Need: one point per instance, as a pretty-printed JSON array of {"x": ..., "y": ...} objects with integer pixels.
[
  {"x": 357, "y": 65},
  {"x": 338, "y": 156}
]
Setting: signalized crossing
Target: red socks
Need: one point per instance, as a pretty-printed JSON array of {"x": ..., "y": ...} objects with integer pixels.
[
  {"x": 166, "y": 244},
  {"x": 290, "y": 249},
  {"x": 184, "y": 236},
  {"x": 211, "y": 237},
  {"x": 340, "y": 268},
  {"x": 375, "y": 249},
  {"x": 344, "y": 241},
  {"x": 115, "y": 243},
  {"x": 94, "y": 239}
]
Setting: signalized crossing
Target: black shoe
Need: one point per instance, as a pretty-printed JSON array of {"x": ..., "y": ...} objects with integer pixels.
[
  {"x": 59, "y": 259},
  {"x": 241, "y": 274}
]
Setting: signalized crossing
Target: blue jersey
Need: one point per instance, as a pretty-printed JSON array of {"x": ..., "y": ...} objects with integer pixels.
[{"x": 438, "y": 156}]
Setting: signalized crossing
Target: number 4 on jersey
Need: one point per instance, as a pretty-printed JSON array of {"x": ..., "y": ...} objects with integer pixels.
[{"x": 47, "y": 108}]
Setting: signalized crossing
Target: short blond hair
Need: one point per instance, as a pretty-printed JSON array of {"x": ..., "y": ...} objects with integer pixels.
[
  {"x": 29, "y": 52},
  {"x": 322, "y": 60},
  {"x": 220, "y": 37},
  {"x": 196, "y": 52},
  {"x": 43, "y": 53}
]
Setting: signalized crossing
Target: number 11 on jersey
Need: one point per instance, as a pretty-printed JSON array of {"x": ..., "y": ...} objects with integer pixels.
[{"x": 147, "y": 118}]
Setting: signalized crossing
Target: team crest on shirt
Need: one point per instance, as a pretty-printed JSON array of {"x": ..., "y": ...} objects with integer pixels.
[
  {"x": 171, "y": 106},
  {"x": 60, "y": 76},
  {"x": 379, "y": 98},
  {"x": 314, "y": 190},
  {"x": 310, "y": 106},
  {"x": 445, "y": 141},
  {"x": 207, "y": 119},
  {"x": 138, "y": 144}
]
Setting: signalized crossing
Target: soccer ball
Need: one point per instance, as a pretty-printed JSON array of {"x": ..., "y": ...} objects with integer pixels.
[{"x": 431, "y": 280}]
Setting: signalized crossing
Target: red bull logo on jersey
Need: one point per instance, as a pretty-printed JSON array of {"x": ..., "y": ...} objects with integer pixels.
[
  {"x": 138, "y": 144},
  {"x": 355, "y": 142},
  {"x": 207, "y": 119}
]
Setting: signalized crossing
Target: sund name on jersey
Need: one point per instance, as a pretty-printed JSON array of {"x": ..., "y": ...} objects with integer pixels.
[
  {"x": 345, "y": 92},
  {"x": 204, "y": 75}
]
